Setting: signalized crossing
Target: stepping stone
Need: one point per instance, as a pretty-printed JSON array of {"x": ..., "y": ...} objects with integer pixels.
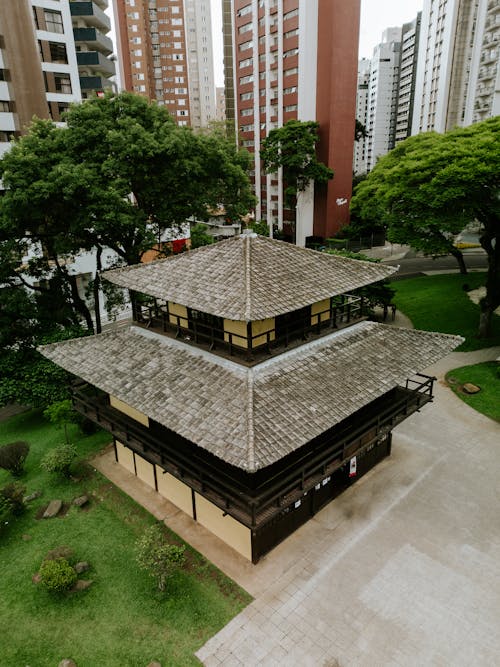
[
  {"x": 470, "y": 388},
  {"x": 80, "y": 501},
  {"x": 53, "y": 509}
]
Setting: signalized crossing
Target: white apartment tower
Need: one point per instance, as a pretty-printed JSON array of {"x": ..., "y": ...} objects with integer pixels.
[
  {"x": 359, "y": 165},
  {"x": 383, "y": 96},
  {"x": 458, "y": 75},
  {"x": 407, "y": 76}
]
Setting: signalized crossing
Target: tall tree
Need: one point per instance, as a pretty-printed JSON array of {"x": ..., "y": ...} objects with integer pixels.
[{"x": 431, "y": 186}]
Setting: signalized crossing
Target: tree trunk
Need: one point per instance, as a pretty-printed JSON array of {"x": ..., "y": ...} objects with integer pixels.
[
  {"x": 459, "y": 256},
  {"x": 79, "y": 303},
  {"x": 489, "y": 241},
  {"x": 97, "y": 284}
]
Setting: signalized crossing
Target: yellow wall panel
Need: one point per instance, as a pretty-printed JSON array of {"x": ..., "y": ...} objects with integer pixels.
[
  {"x": 262, "y": 327},
  {"x": 239, "y": 329},
  {"x": 128, "y": 410},
  {"x": 178, "y": 314},
  {"x": 125, "y": 457},
  {"x": 320, "y": 307},
  {"x": 174, "y": 490},
  {"x": 145, "y": 470},
  {"x": 229, "y": 530}
]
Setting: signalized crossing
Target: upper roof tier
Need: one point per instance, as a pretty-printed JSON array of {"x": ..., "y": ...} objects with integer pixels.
[{"x": 249, "y": 277}]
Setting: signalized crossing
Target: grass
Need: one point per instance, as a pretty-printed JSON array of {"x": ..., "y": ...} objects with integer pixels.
[
  {"x": 439, "y": 303},
  {"x": 487, "y": 377},
  {"x": 121, "y": 620}
]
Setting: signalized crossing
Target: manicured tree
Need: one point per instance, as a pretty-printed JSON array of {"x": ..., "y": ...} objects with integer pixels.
[
  {"x": 157, "y": 556},
  {"x": 431, "y": 186},
  {"x": 61, "y": 414},
  {"x": 58, "y": 460}
]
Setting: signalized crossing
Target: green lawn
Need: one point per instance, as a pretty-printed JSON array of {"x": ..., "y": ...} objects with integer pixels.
[
  {"x": 121, "y": 620},
  {"x": 487, "y": 377},
  {"x": 439, "y": 303}
]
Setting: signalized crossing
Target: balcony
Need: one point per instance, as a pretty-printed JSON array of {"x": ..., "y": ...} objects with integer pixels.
[
  {"x": 97, "y": 83},
  {"x": 94, "y": 39},
  {"x": 95, "y": 62},
  {"x": 91, "y": 14}
]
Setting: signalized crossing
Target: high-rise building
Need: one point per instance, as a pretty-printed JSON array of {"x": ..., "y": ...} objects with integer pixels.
[
  {"x": 220, "y": 104},
  {"x": 165, "y": 53},
  {"x": 458, "y": 79},
  {"x": 407, "y": 76},
  {"x": 359, "y": 166},
  {"x": 383, "y": 96},
  {"x": 52, "y": 53},
  {"x": 295, "y": 59}
]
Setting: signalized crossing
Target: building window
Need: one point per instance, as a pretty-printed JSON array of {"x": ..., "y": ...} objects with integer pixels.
[
  {"x": 246, "y": 79},
  {"x": 58, "y": 53},
  {"x": 244, "y": 28},
  {"x": 4, "y": 105},
  {"x": 62, "y": 83}
]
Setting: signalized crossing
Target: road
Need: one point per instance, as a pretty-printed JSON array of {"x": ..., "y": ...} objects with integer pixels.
[{"x": 416, "y": 265}]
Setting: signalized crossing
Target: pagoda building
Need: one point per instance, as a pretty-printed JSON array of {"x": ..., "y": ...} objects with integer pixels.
[{"x": 251, "y": 388}]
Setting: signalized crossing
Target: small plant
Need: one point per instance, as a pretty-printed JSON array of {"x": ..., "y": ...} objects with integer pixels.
[
  {"x": 61, "y": 414},
  {"x": 57, "y": 575},
  {"x": 14, "y": 494},
  {"x": 157, "y": 556},
  {"x": 59, "y": 459},
  {"x": 13, "y": 456}
]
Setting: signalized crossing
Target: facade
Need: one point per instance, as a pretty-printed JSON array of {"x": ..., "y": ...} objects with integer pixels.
[
  {"x": 292, "y": 59},
  {"x": 458, "y": 74},
  {"x": 220, "y": 104},
  {"x": 410, "y": 39},
  {"x": 359, "y": 164},
  {"x": 383, "y": 96},
  {"x": 165, "y": 53},
  {"x": 253, "y": 398},
  {"x": 52, "y": 53}
]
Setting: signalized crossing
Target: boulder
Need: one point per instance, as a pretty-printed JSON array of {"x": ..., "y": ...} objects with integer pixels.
[
  {"x": 67, "y": 662},
  {"x": 81, "y": 567},
  {"x": 53, "y": 509},
  {"x": 470, "y": 388},
  {"x": 81, "y": 501},
  {"x": 82, "y": 584},
  {"x": 32, "y": 496}
]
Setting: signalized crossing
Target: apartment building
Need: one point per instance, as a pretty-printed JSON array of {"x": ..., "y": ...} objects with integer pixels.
[
  {"x": 458, "y": 80},
  {"x": 220, "y": 104},
  {"x": 52, "y": 53},
  {"x": 383, "y": 96},
  {"x": 295, "y": 59},
  {"x": 364, "y": 65},
  {"x": 165, "y": 52},
  {"x": 410, "y": 37}
]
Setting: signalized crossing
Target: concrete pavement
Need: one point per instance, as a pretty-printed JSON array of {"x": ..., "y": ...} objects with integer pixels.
[{"x": 403, "y": 569}]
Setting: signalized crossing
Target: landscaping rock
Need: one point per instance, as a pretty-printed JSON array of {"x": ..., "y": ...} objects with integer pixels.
[
  {"x": 36, "y": 578},
  {"x": 82, "y": 584},
  {"x": 32, "y": 496},
  {"x": 53, "y": 509},
  {"x": 80, "y": 501},
  {"x": 470, "y": 388},
  {"x": 81, "y": 567},
  {"x": 67, "y": 662}
]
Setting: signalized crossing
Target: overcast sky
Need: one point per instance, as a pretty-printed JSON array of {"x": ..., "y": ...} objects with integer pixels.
[{"x": 376, "y": 15}]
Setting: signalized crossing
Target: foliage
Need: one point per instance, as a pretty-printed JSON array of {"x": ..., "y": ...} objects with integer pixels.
[
  {"x": 159, "y": 558},
  {"x": 293, "y": 148},
  {"x": 59, "y": 459},
  {"x": 380, "y": 293},
  {"x": 199, "y": 236},
  {"x": 431, "y": 186},
  {"x": 359, "y": 131},
  {"x": 487, "y": 377},
  {"x": 260, "y": 227},
  {"x": 13, "y": 455},
  {"x": 14, "y": 494},
  {"x": 61, "y": 414},
  {"x": 57, "y": 575},
  {"x": 122, "y": 621},
  {"x": 440, "y": 303},
  {"x": 5, "y": 512}
]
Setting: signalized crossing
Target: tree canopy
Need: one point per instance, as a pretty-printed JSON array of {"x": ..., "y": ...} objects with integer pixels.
[
  {"x": 293, "y": 147},
  {"x": 433, "y": 185}
]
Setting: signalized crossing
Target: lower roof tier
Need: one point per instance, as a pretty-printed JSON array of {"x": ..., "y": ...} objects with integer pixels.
[{"x": 251, "y": 417}]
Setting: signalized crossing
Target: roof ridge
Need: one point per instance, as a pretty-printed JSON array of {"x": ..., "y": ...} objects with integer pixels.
[
  {"x": 247, "y": 245},
  {"x": 250, "y": 423}
]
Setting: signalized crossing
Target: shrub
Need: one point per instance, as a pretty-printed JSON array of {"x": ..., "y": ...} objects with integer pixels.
[
  {"x": 14, "y": 494},
  {"x": 57, "y": 575},
  {"x": 5, "y": 512},
  {"x": 59, "y": 459},
  {"x": 13, "y": 456},
  {"x": 159, "y": 558},
  {"x": 61, "y": 413}
]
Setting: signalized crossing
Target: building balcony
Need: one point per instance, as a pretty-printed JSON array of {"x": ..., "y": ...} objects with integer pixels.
[
  {"x": 97, "y": 83},
  {"x": 95, "y": 62},
  {"x": 94, "y": 39},
  {"x": 91, "y": 13}
]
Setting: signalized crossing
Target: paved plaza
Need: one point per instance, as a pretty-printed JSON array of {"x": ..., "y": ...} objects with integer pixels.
[{"x": 401, "y": 569}]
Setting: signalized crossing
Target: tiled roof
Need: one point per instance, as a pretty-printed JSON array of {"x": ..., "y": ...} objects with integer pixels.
[
  {"x": 249, "y": 277},
  {"x": 251, "y": 417}
]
